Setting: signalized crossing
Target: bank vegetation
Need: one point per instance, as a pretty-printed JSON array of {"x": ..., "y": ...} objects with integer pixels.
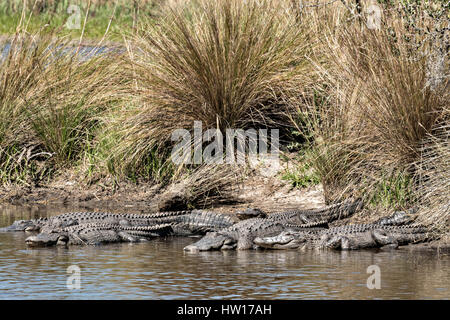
[{"x": 361, "y": 93}]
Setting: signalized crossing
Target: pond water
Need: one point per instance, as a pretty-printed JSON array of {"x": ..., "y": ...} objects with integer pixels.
[
  {"x": 85, "y": 52},
  {"x": 160, "y": 269}
]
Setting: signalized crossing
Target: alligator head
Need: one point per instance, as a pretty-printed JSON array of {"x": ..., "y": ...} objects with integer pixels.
[
  {"x": 212, "y": 241},
  {"x": 250, "y": 213},
  {"x": 397, "y": 219},
  {"x": 285, "y": 240},
  {"x": 21, "y": 225},
  {"x": 47, "y": 239}
]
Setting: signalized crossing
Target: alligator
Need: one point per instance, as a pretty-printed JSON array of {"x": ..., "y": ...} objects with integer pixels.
[
  {"x": 322, "y": 216},
  {"x": 241, "y": 235},
  {"x": 184, "y": 222},
  {"x": 209, "y": 220},
  {"x": 97, "y": 233},
  {"x": 199, "y": 222},
  {"x": 76, "y": 218},
  {"x": 189, "y": 221},
  {"x": 220, "y": 231},
  {"x": 398, "y": 218},
  {"x": 349, "y": 237}
]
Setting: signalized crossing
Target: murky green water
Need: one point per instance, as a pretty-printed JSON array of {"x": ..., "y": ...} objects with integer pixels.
[{"x": 161, "y": 270}]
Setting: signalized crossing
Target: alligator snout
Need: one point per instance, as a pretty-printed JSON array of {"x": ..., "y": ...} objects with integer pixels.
[
  {"x": 284, "y": 240},
  {"x": 191, "y": 248},
  {"x": 32, "y": 228},
  {"x": 20, "y": 225},
  {"x": 36, "y": 241},
  {"x": 211, "y": 241},
  {"x": 45, "y": 240}
]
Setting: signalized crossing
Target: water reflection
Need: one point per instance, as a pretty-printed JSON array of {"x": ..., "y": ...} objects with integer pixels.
[{"x": 161, "y": 270}]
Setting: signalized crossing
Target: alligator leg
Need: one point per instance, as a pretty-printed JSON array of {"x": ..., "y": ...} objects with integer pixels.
[
  {"x": 355, "y": 242},
  {"x": 244, "y": 243},
  {"x": 211, "y": 241},
  {"x": 126, "y": 237},
  {"x": 384, "y": 240},
  {"x": 369, "y": 239},
  {"x": 305, "y": 219},
  {"x": 335, "y": 242},
  {"x": 230, "y": 246}
]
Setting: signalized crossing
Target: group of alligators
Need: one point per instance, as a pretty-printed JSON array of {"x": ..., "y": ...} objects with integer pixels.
[{"x": 247, "y": 229}]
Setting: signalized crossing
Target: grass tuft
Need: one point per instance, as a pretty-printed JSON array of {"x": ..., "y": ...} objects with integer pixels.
[{"x": 228, "y": 64}]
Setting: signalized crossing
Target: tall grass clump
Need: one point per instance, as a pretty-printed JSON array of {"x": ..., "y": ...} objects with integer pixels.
[
  {"x": 228, "y": 64},
  {"x": 380, "y": 106},
  {"x": 50, "y": 102},
  {"x": 433, "y": 174},
  {"x": 398, "y": 106}
]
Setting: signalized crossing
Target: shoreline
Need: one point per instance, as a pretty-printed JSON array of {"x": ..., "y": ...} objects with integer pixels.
[{"x": 150, "y": 198}]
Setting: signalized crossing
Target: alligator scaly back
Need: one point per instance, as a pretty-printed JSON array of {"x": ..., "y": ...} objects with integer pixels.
[
  {"x": 98, "y": 233},
  {"x": 239, "y": 235},
  {"x": 77, "y": 218},
  {"x": 306, "y": 216},
  {"x": 355, "y": 236},
  {"x": 201, "y": 222}
]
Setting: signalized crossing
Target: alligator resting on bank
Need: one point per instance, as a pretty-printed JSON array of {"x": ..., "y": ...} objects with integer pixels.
[
  {"x": 241, "y": 235},
  {"x": 261, "y": 232},
  {"x": 183, "y": 222},
  {"x": 200, "y": 221},
  {"x": 97, "y": 233},
  {"x": 349, "y": 237},
  {"x": 221, "y": 231},
  {"x": 75, "y": 218},
  {"x": 322, "y": 216}
]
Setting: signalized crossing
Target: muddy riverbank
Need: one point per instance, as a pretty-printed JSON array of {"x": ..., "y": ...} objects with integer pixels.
[{"x": 268, "y": 193}]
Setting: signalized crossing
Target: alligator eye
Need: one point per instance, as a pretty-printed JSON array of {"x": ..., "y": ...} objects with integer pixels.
[{"x": 62, "y": 240}]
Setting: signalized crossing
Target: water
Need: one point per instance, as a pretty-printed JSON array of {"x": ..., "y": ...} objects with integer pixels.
[
  {"x": 85, "y": 52},
  {"x": 161, "y": 270}
]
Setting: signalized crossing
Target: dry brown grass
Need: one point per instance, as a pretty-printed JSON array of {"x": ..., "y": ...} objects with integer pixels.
[
  {"x": 205, "y": 186},
  {"x": 433, "y": 174},
  {"x": 373, "y": 109},
  {"x": 228, "y": 64},
  {"x": 50, "y": 101}
]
